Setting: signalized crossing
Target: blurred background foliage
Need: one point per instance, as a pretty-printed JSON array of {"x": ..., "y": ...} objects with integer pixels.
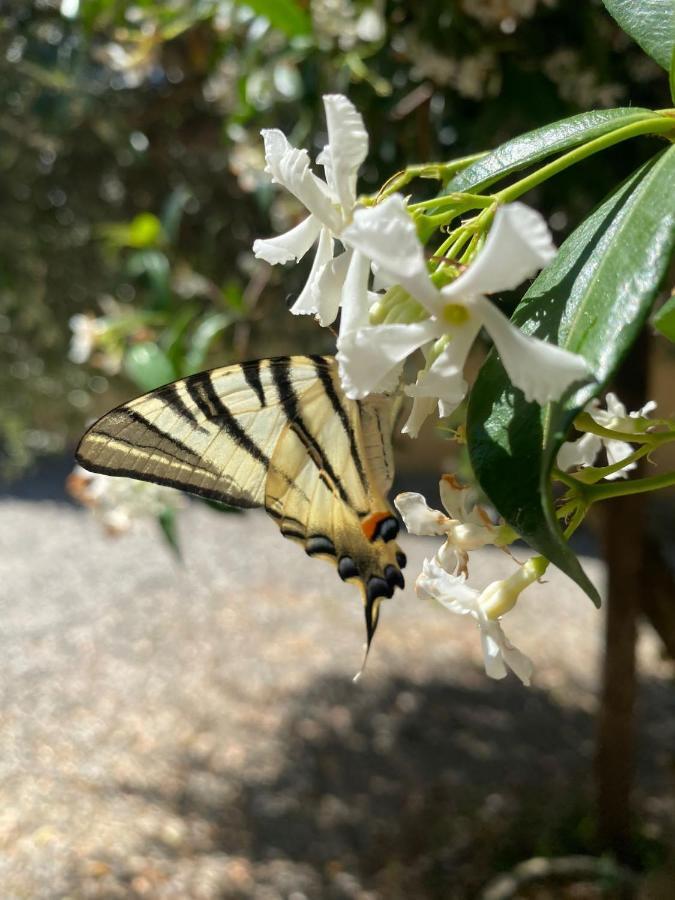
[{"x": 132, "y": 167}]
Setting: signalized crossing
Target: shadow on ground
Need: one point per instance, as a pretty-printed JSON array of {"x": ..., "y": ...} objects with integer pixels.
[{"x": 404, "y": 790}]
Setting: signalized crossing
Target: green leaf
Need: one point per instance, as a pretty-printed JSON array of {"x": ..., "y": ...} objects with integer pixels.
[
  {"x": 205, "y": 333},
  {"x": 148, "y": 366},
  {"x": 286, "y": 15},
  {"x": 144, "y": 230},
  {"x": 651, "y": 24},
  {"x": 672, "y": 75},
  {"x": 593, "y": 299},
  {"x": 534, "y": 146},
  {"x": 167, "y": 523},
  {"x": 664, "y": 320}
]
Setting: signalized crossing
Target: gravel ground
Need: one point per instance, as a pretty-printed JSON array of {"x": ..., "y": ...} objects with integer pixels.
[{"x": 193, "y": 731}]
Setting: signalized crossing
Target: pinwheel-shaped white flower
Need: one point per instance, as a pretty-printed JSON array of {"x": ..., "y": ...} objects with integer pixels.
[
  {"x": 518, "y": 245},
  {"x": 466, "y": 527},
  {"x": 452, "y": 591},
  {"x": 333, "y": 279},
  {"x": 583, "y": 451}
]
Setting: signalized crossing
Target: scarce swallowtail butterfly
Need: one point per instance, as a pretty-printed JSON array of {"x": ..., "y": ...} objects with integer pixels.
[{"x": 277, "y": 433}]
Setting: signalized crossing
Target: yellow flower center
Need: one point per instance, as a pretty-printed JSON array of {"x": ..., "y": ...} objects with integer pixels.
[{"x": 455, "y": 314}]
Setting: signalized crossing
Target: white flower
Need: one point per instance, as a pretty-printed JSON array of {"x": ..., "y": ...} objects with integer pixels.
[
  {"x": 86, "y": 330},
  {"x": 455, "y": 594},
  {"x": 518, "y": 244},
  {"x": 331, "y": 206},
  {"x": 583, "y": 451},
  {"x": 466, "y": 527},
  {"x": 118, "y": 502}
]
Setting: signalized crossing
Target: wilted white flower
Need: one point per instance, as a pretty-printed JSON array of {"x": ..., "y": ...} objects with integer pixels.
[
  {"x": 466, "y": 526},
  {"x": 485, "y": 607},
  {"x": 333, "y": 280},
  {"x": 118, "y": 502},
  {"x": 519, "y": 243},
  {"x": 583, "y": 451}
]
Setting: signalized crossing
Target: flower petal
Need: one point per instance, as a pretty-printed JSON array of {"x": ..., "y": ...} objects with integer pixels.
[
  {"x": 616, "y": 451},
  {"x": 346, "y": 150},
  {"x": 355, "y": 295},
  {"x": 542, "y": 371},
  {"x": 289, "y": 167},
  {"x": 417, "y": 516},
  {"x": 421, "y": 409},
  {"x": 386, "y": 235},
  {"x": 306, "y": 304},
  {"x": 328, "y": 288},
  {"x": 518, "y": 245},
  {"x": 581, "y": 452},
  {"x": 291, "y": 244},
  {"x": 443, "y": 380},
  {"x": 454, "y": 497},
  {"x": 369, "y": 357},
  {"x": 492, "y": 652},
  {"x": 519, "y": 664},
  {"x": 451, "y": 591}
]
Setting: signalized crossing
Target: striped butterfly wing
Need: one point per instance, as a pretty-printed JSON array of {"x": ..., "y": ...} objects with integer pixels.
[{"x": 276, "y": 433}]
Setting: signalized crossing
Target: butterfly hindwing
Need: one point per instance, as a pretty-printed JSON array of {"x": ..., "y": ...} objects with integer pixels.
[{"x": 276, "y": 433}]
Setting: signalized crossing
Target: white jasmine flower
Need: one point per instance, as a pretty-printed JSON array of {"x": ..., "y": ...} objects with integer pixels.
[
  {"x": 518, "y": 244},
  {"x": 485, "y": 607},
  {"x": 466, "y": 526},
  {"x": 331, "y": 206},
  {"x": 583, "y": 451},
  {"x": 86, "y": 330},
  {"x": 118, "y": 502}
]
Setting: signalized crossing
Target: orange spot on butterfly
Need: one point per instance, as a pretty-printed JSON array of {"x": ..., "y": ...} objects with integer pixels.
[{"x": 370, "y": 523}]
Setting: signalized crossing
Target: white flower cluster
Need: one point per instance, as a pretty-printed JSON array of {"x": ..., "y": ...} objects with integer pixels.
[
  {"x": 444, "y": 576},
  {"x": 583, "y": 452},
  {"x": 381, "y": 240}
]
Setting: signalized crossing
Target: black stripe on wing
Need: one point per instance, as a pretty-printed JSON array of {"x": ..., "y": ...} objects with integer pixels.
[
  {"x": 280, "y": 368},
  {"x": 251, "y": 372},
  {"x": 200, "y": 388},
  {"x": 325, "y": 377},
  {"x": 175, "y": 402}
]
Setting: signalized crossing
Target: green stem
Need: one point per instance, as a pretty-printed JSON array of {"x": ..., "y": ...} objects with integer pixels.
[
  {"x": 465, "y": 201},
  {"x": 659, "y": 124},
  {"x": 585, "y": 422},
  {"x": 593, "y": 474},
  {"x": 608, "y": 490},
  {"x": 439, "y": 171}
]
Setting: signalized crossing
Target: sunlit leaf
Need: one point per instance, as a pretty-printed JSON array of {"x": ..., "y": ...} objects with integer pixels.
[
  {"x": 651, "y": 24},
  {"x": 537, "y": 145},
  {"x": 593, "y": 299}
]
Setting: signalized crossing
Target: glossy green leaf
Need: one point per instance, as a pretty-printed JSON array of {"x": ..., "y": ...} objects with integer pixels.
[
  {"x": 651, "y": 24},
  {"x": 286, "y": 15},
  {"x": 593, "y": 299},
  {"x": 535, "y": 146},
  {"x": 148, "y": 366},
  {"x": 664, "y": 320}
]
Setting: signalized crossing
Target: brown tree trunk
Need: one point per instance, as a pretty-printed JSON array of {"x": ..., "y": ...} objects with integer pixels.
[{"x": 624, "y": 540}]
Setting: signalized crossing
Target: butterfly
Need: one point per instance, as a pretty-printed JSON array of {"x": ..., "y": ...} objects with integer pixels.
[{"x": 277, "y": 433}]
